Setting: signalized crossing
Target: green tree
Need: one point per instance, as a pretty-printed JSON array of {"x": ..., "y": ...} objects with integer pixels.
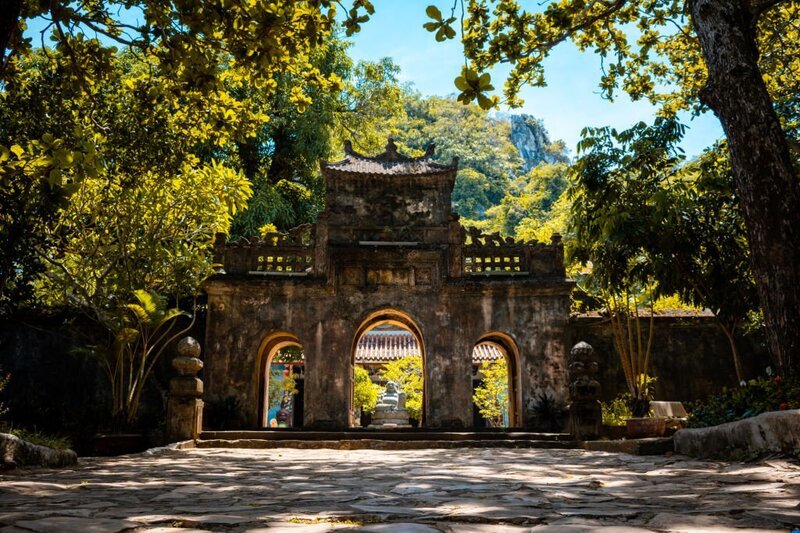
[
  {"x": 194, "y": 42},
  {"x": 365, "y": 392},
  {"x": 407, "y": 372},
  {"x": 487, "y": 158},
  {"x": 282, "y": 159},
  {"x": 736, "y": 57},
  {"x": 529, "y": 202},
  {"x": 144, "y": 195},
  {"x": 143, "y": 332},
  {"x": 641, "y": 217},
  {"x": 491, "y": 396}
]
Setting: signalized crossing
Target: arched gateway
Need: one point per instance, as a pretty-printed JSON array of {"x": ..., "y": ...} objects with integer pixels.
[{"x": 387, "y": 248}]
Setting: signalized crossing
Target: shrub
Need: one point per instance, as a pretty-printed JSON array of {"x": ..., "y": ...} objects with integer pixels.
[
  {"x": 617, "y": 410},
  {"x": 39, "y": 438},
  {"x": 750, "y": 399}
]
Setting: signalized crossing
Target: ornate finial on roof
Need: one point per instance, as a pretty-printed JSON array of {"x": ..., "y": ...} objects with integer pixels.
[
  {"x": 348, "y": 147},
  {"x": 391, "y": 150}
]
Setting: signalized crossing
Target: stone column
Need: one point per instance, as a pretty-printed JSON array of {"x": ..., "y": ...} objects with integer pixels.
[
  {"x": 185, "y": 407},
  {"x": 585, "y": 414}
]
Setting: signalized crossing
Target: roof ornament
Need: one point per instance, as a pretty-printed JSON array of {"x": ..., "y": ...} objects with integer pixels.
[{"x": 391, "y": 153}]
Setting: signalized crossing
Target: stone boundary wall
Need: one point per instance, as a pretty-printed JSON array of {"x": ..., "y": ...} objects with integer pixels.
[
  {"x": 767, "y": 433},
  {"x": 691, "y": 356}
]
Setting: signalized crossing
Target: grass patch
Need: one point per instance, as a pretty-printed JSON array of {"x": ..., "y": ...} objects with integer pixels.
[{"x": 37, "y": 437}]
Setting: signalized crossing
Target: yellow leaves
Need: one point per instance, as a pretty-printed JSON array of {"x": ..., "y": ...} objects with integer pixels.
[
  {"x": 442, "y": 28},
  {"x": 299, "y": 99},
  {"x": 17, "y": 150},
  {"x": 473, "y": 86}
]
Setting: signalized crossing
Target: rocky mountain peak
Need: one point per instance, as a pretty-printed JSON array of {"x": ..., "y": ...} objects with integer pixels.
[{"x": 530, "y": 137}]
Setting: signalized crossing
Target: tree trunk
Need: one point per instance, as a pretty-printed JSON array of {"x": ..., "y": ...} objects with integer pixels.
[
  {"x": 768, "y": 189},
  {"x": 9, "y": 25},
  {"x": 730, "y": 333}
]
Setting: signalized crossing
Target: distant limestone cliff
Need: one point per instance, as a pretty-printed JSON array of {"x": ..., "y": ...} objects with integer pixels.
[{"x": 530, "y": 137}]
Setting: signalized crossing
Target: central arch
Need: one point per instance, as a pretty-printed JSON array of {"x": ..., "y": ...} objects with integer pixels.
[{"x": 397, "y": 318}]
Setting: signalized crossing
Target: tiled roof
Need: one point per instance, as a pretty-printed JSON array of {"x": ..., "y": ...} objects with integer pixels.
[
  {"x": 390, "y": 163},
  {"x": 381, "y": 346}
]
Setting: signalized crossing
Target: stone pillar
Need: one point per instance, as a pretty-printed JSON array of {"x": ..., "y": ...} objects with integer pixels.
[
  {"x": 184, "y": 407},
  {"x": 585, "y": 414}
]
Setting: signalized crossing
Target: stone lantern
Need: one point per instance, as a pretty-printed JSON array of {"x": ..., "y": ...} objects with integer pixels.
[
  {"x": 185, "y": 406},
  {"x": 585, "y": 413}
]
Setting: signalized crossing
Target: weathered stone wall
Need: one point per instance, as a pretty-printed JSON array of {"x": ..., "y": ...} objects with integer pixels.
[
  {"x": 326, "y": 320},
  {"x": 691, "y": 356}
]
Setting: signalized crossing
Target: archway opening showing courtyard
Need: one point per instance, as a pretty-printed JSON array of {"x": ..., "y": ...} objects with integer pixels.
[
  {"x": 496, "y": 396},
  {"x": 388, "y": 372},
  {"x": 279, "y": 378}
]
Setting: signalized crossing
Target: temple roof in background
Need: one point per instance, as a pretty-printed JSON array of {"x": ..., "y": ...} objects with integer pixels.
[
  {"x": 390, "y": 162},
  {"x": 381, "y": 345}
]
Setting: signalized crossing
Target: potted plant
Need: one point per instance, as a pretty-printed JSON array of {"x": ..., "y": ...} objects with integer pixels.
[{"x": 634, "y": 351}]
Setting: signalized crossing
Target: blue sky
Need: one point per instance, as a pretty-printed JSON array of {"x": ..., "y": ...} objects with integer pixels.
[{"x": 570, "y": 102}]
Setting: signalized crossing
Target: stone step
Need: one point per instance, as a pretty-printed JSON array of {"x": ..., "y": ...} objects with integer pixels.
[
  {"x": 378, "y": 444},
  {"x": 402, "y": 435}
]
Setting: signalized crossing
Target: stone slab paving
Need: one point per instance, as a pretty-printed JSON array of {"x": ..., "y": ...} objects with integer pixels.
[{"x": 410, "y": 491}]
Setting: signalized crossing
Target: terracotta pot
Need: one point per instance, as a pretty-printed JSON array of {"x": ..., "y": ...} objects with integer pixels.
[{"x": 641, "y": 428}]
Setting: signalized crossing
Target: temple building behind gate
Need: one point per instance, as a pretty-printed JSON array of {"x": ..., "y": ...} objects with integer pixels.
[{"x": 387, "y": 250}]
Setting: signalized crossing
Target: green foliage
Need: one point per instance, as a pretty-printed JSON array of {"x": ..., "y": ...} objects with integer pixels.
[
  {"x": 643, "y": 217},
  {"x": 36, "y": 183},
  {"x": 143, "y": 330},
  {"x": 474, "y": 86},
  {"x": 549, "y": 412},
  {"x": 195, "y": 45},
  {"x": 365, "y": 392},
  {"x": 648, "y": 50},
  {"x": 42, "y": 439},
  {"x": 442, "y": 28},
  {"x": 487, "y": 158},
  {"x": 491, "y": 396},
  {"x": 145, "y": 217},
  {"x": 282, "y": 158},
  {"x": 534, "y": 206},
  {"x": 617, "y": 410},
  {"x": 407, "y": 373},
  {"x": 754, "y": 397}
]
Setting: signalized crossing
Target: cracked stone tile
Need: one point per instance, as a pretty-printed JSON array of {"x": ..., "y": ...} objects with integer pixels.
[{"x": 69, "y": 524}]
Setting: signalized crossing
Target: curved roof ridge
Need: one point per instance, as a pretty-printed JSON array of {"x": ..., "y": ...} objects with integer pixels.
[{"x": 390, "y": 161}]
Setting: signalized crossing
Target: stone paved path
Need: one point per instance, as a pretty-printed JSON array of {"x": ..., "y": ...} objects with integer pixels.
[{"x": 416, "y": 491}]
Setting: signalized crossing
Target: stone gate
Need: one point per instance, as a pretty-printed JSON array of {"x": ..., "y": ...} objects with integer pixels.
[{"x": 387, "y": 249}]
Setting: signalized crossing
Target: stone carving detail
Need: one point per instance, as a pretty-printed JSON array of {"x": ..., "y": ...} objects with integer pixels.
[
  {"x": 277, "y": 253},
  {"x": 585, "y": 414},
  {"x": 185, "y": 408},
  {"x": 490, "y": 253}
]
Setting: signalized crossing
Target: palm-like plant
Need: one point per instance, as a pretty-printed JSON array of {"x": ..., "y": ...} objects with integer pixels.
[{"x": 146, "y": 328}]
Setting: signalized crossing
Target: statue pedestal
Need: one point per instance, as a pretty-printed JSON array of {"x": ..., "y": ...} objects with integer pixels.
[{"x": 390, "y": 419}]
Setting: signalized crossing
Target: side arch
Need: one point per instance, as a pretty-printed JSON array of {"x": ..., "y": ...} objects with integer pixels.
[
  {"x": 508, "y": 346},
  {"x": 270, "y": 345}
]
